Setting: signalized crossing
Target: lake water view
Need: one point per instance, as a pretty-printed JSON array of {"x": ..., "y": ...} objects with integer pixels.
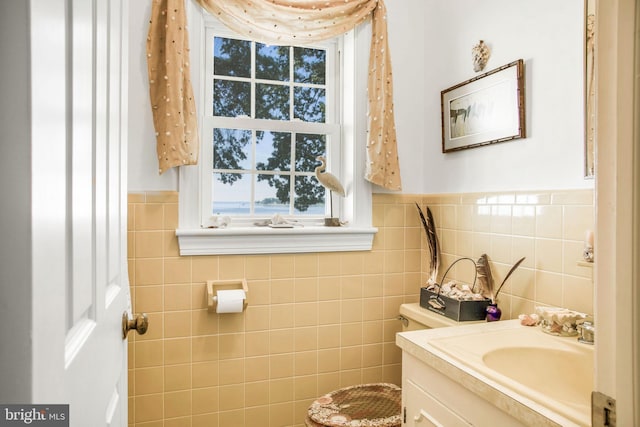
[{"x": 269, "y": 209}]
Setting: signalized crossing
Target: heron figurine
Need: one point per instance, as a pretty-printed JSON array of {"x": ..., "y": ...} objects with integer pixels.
[{"x": 331, "y": 183}]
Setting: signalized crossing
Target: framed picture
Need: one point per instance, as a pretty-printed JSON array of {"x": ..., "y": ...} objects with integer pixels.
[
  {"x": 590, "y": 89},
  {"x": 486, "y": 109}
]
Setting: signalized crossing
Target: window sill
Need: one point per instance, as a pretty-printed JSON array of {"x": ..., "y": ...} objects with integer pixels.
[{"x": 265, "y": 240}]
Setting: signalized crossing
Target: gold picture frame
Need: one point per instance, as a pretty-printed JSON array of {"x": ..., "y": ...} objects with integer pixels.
[
  {"x": 589, "y": 88},
  {"x": 486, "y": 109}
]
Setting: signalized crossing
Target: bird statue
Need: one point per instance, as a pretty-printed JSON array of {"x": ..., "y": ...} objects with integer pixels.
[{"x": 330, "y": 182}]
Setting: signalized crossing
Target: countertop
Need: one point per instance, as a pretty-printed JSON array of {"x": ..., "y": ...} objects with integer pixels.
[{"x": 529, "y": 412}]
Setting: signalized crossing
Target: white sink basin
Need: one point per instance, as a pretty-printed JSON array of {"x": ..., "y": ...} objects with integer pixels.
[{"x": 555, "y": 372}]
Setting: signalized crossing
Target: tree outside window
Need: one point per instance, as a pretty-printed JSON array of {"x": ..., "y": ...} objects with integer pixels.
[{"x": 273, "y": 100}]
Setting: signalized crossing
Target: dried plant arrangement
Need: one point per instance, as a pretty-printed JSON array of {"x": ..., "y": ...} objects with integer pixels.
[
  {"x": 429, "y": 226},
  {"x": 485, "y": 278},
  {"x": 494, "y": 297},
  {"x": 487, "y": 286}
]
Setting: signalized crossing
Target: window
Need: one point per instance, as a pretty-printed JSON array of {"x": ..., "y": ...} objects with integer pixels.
[
  {"x": 270, "y": 112},
  {"x": 266, "y": 113}
]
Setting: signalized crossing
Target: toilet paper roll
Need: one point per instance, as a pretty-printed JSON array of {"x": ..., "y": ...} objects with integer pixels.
[{"x": 230, "y": 301}]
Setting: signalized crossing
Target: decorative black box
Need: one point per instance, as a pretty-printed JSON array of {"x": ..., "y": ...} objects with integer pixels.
[{"x": 458, "y": 310}]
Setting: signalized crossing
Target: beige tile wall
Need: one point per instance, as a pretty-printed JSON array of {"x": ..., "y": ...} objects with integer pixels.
[
  {"x": 317, "y": 322},
  {"x": 548, "y": 228}
]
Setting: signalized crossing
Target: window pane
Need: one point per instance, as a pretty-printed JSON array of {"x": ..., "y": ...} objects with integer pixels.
[
  {"x": 231, "y": 98},
  {"x": 263, "y": 169},
  {"x": 231, "y": 148},
  {"x": 272, "y": 194},
  {"x": 308, "y": 147},
  {"x": 309, "y": 198},
  {"x": 272, "y": 102},
  {"x": 231, "y": 57},
  {"x": 231, "y": 198},
  {"x": 272, "y": 62},
  {"x": 309, "y": 104},
  {"x": 273, "y": 151},
  {"x": 310, "y": 65}
]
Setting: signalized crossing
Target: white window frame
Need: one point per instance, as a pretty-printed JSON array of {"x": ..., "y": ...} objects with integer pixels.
[
  {"x": 244, "y": 238},
  {"x": 331, "y": 128}
]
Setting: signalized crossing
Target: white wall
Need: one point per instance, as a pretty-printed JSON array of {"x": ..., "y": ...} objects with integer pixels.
[
  {"x": 430, "y": 43},
  {"x": 547, "y": 34},
  {"x": 405, "y": 23},
  {"x": 143, "y": 164}
]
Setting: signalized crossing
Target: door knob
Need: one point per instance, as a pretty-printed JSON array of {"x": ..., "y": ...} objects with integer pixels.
[{"x": 140, "y": 323}]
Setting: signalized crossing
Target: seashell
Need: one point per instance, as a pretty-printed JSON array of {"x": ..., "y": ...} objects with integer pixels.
[
  {"x": 480, "y": 55},
  {"x": 528, "y": 320},
  {"x": 324, "y": 400}
]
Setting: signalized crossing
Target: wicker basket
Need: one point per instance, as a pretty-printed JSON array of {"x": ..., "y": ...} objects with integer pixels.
[{"x": 365, "y": 405}]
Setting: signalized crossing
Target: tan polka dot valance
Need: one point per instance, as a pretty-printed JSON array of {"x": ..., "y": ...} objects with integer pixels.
[
  {"x": 278, "y": 22},
  {"x": 170, "y": 90}
]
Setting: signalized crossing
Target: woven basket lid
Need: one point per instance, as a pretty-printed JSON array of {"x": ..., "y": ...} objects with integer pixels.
[{"x": 365, "y": 405}]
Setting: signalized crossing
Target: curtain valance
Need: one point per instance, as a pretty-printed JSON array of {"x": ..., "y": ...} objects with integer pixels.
[
  {"x": 278, "y": 22},
  {"x": 170, "y": 90}
]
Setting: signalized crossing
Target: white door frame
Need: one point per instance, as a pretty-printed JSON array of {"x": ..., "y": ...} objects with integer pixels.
[
  {"x": 617, "y": 210},
  {"x": 15, "y": 222}
]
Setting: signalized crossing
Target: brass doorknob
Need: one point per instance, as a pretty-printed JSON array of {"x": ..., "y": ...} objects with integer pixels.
[{"x": 140, "y": 323}]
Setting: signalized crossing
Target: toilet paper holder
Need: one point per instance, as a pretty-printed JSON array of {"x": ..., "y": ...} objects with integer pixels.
[{"x": 218, "y": 285}]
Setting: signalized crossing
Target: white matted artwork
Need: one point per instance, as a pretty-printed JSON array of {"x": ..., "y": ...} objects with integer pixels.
[{"x": 486, "y": 109}]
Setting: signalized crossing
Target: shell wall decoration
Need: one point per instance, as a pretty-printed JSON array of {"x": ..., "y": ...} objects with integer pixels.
[{"x": 480, "y": 54}]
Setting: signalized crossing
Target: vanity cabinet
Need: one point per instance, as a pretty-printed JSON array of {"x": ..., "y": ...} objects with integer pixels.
[
  {"x": 430, "y": 398},
  {"x": 424, "y": 410}
]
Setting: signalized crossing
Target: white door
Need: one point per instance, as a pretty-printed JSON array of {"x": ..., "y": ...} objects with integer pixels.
[{"x": 80, "y": 281}]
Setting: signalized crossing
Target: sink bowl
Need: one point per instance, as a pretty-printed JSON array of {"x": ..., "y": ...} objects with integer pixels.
[
  {"x": 554, "y": 372},
  {"x": 561, "y": 375}
]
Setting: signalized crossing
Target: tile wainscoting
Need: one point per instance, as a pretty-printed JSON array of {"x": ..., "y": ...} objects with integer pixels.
[
  {"x": 320, "y": 321},
  {"x": 548, "y": 228}
]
